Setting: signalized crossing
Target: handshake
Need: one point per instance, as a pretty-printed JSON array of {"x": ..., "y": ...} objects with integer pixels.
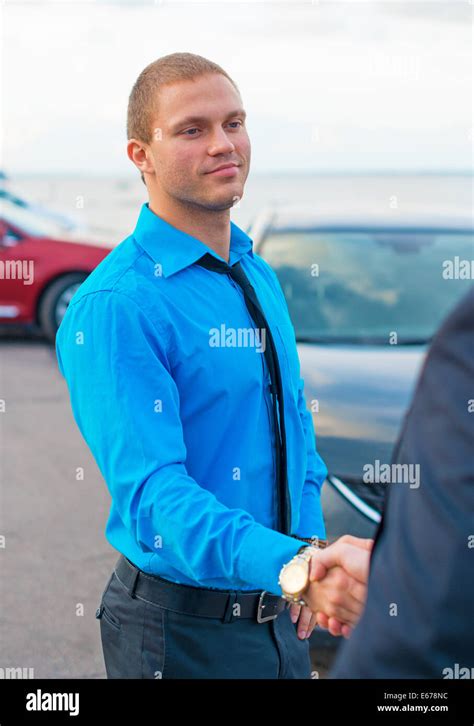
[{"x": 337, "y": 588}]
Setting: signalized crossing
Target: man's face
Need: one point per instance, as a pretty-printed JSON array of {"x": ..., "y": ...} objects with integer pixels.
[{"x": 200, "y": 126}]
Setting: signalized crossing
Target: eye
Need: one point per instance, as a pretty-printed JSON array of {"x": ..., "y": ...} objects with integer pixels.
[
  {"x": 188, "y": 130},
  {"x": 236, "y": 122}
]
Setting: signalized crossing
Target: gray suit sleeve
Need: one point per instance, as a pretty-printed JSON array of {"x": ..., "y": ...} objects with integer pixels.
[{"x": 419, "y": 616}]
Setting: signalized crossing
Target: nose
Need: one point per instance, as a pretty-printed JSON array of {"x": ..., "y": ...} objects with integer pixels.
[{"x": 220, "y": 143}]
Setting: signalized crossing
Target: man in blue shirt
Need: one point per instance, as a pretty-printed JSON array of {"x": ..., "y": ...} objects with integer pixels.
[{"x": 171, "y": 392}]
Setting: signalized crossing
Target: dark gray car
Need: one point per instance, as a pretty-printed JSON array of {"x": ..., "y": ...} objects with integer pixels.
[{"x": 366, "y": 294}]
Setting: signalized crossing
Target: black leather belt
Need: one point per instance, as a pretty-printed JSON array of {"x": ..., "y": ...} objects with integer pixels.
[{"x": 260, "y": 605}]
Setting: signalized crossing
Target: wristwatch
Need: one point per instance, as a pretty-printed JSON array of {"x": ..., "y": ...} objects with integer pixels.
[{"x": 294, "y": 575}]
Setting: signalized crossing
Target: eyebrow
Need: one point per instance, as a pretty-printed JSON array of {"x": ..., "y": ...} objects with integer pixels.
[{"x": 202, "y": 119}]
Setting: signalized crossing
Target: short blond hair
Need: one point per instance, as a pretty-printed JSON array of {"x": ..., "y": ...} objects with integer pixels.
[{"x": 143, "y": 99}]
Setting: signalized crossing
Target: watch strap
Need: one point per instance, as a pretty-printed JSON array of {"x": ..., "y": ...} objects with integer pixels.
[{"x": 313, "y": 541}]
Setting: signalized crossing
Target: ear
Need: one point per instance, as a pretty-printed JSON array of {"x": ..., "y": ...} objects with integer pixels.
[{"x": 137, "y": 152}]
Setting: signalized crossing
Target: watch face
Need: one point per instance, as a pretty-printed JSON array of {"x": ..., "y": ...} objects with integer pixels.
[{"x": 294, "y": 578}]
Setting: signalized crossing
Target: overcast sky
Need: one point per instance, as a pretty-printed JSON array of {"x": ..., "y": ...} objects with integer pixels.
[{"x": 327, "y": 86}]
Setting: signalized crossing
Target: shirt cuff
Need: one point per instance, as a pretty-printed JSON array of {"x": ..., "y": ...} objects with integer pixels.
[{"x": 262, "y": 555}]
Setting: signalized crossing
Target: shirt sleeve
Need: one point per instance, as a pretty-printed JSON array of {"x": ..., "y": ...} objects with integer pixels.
[
  {"x": 127, "y": 407},
  {"x": 311, "y": 522}
]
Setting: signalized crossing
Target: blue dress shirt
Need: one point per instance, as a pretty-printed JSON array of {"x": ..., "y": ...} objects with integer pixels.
[{"x": 171, "y": 394}]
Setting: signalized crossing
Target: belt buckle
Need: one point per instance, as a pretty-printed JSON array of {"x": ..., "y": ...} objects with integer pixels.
[{"x": 261, "y": 619}]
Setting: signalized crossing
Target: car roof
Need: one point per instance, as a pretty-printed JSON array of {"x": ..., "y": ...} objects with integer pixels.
[{"x": 302, "y": 217}]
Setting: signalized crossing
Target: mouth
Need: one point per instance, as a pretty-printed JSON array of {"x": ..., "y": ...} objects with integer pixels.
[{"x": 225, "y": 170}]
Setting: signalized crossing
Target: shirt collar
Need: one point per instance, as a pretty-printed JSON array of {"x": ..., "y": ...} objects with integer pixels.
[{"x": 174, "y": 250}]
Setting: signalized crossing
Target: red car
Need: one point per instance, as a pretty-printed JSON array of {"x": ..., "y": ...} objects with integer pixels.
[{"x": 42, "y": 264}]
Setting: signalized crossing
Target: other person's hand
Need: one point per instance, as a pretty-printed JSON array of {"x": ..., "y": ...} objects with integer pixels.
[{"x": 338, "y": 586}]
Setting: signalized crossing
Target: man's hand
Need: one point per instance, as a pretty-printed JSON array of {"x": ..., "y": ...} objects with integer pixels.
[
  {"x": 337, "y": 600},
  {"x": 337, "y": 595},
  {"x": 307, "y": 620}
]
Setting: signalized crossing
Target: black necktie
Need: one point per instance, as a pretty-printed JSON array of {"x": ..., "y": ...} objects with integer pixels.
[{"x": 237, "y": 273}]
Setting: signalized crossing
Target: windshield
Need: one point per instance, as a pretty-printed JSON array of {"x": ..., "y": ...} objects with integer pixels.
[
  {"x": 363, "y": 286},
  {"x": 31, "y": 220}
]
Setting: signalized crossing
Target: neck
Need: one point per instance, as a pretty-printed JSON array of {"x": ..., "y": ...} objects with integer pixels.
[{"x": 210, "y": 227}]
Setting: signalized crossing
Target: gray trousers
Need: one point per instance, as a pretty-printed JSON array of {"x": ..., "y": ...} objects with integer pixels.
[{"x": 141, "y": 639}]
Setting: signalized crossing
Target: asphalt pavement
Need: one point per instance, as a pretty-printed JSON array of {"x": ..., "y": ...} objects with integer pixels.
[{"x": 56, "y": 560}]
